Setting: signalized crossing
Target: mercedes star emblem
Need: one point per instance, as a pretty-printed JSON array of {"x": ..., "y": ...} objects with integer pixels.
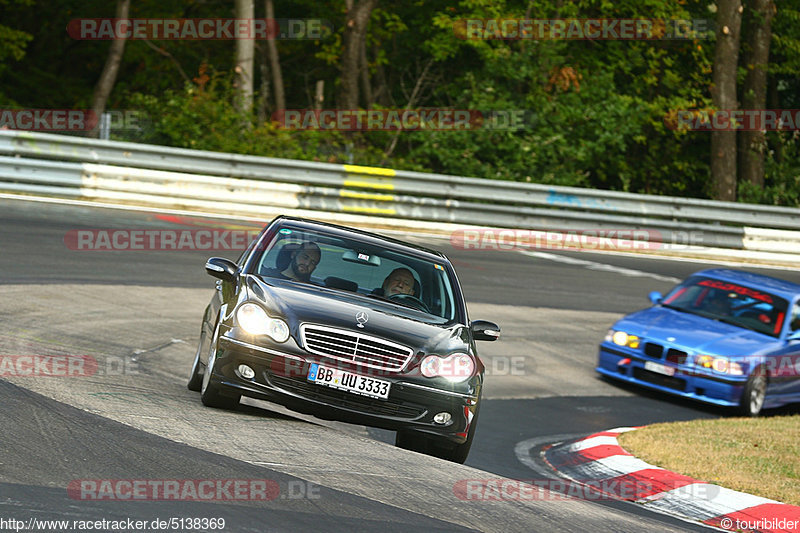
[{"x": 361, "y": 318}]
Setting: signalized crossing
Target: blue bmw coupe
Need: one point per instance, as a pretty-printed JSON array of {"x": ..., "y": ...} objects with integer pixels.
[{"x": 725, "y": 337}]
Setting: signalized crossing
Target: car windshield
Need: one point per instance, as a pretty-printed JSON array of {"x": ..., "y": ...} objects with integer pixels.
[
  {"x": 729, "y": 302},
  {"x": 403, "y": 282}
]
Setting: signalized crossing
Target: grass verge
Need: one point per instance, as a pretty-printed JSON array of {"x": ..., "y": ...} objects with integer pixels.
[{"x": 760, "y": 456}]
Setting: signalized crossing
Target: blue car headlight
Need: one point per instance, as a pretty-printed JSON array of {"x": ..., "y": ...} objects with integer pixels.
[
  {"x": 720, "y": 365},
  {"x": 622, "y": 338},
  {"x": 254, "y": 320}
]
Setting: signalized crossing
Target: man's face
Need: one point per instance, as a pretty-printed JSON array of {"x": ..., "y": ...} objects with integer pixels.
[
  {"x": 304, "y": 262},
  {"x": 400, "y": 282}
]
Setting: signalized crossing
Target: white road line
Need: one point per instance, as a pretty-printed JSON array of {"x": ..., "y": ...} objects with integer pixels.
[
  {"x": 593, "y": 265},
  {"x": 585, "y": 444}
]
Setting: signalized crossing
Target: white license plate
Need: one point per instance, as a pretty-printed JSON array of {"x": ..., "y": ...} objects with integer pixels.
[
  {"x": 347, "y": 381},
  {"x": 659, "y": 368}
]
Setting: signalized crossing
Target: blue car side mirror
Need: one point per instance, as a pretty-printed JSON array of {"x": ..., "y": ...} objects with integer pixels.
[{"x": 655, "y": 297}]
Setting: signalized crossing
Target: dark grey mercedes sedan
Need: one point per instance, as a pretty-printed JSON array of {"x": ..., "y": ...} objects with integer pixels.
[{"x": 345, "y": 325}]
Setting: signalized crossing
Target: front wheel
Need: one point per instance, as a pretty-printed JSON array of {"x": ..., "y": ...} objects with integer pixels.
[
  {"x": 196, "y": 376},
  {"x": 209, "y": 393},
  {"x": 754, "y": 394},
  {"x": 438, "y": 447},
  {"x": 459, "y": 452}
]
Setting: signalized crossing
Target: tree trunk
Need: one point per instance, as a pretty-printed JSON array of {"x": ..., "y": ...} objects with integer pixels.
[
  {"x": 723, "y": 97},
  {"x": 758, "y": 33},
  {"x": 263, "y": 95},
  {"x": 381, "y": 93},
  {"x": 274, "y": 60},
  {"x": 366, "y": 86},
  {"x": 319, "y": 94},
  {"x": 775, "y": 103},
  {"x": 355, "y": 31},
  {"x": 109, "y": 75},
  {"x": 245, "y": 60}
]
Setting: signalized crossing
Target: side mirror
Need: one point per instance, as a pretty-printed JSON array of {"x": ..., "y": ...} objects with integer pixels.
[
  {"x": 483, "y": 330},
  {"x": 222, "y": 268},
  {"x": 655, "y": 297}
]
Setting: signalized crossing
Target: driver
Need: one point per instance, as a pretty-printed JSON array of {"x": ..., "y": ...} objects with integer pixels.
[
  {"x": 303, "y": 262},
  {"x": 399, "y": 281},
  {"x": 718, "y": 303}
]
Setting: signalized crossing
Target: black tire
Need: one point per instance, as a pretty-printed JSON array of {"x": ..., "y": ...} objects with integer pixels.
[
  {"x": 459, "y": 452},
  {"x": 196, "y": 376},
  {"x": 755, "y": 391},
  {"x": 437, "y": 447},
  {"x": 411, "y": 440},
  {"x": 209, "y": 392}
]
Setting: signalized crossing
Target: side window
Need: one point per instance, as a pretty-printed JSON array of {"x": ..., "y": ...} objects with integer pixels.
[
  {"x": 794, "y": 325},
  {"x": 247, "y": 250}
]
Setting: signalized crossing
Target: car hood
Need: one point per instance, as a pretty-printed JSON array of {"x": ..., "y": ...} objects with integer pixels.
[
  {"x": 693, "y": 332},
  {"x": 300, "y": 303}
]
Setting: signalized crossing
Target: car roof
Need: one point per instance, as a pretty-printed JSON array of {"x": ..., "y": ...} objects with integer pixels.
[
  {"x": 370, "y": 238},
  {"x": 778, "y": 287}
]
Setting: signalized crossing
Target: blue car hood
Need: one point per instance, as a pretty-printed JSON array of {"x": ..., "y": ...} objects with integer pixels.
[{"x": 694, "y": 333}]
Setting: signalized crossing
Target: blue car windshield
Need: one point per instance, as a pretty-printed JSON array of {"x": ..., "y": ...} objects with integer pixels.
[
  {"x": 731, "y": 303},
  {"x": 400, "y": 281}
]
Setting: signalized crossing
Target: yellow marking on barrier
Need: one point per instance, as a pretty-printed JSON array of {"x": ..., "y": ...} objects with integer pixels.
[
  {"x": 367, "y": 196},
  {"x": 362, "y": 184},
  {"x": 369, "y": 210},
  {"x": 375, "y": 171}
]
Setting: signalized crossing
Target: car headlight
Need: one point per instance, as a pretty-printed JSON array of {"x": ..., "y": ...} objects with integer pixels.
[
  {"x": 721, "y": 365},
  {"x": 455, "y": 368},
  {"x": 621, "y": 338},
  {"x": 254, "y": 320}
]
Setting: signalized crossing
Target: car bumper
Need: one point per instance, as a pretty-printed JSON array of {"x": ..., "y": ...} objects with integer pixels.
[
  {"x": 282, "y": 378},
  {"x": 686, "y": 382}
]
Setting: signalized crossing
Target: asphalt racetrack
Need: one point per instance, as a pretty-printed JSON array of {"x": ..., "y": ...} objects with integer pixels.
[{"x": 137, "y": 314}]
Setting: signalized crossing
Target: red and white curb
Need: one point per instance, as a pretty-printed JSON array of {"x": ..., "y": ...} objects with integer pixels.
[{"x": 600, "y": 458}]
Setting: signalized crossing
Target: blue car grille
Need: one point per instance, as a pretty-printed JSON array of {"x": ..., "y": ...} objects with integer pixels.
[
  {"x": 651, "y": 349},
  {"x": 673, "y": 355},
  {"x": 678, "y": 357},
  {"x": 353, "y": 347}
]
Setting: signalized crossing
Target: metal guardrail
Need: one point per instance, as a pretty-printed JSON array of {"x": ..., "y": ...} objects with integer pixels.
[{"x": 57, "y": 164}]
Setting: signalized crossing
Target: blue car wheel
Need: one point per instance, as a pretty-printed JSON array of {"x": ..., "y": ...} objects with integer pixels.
[{"x": 755, "y": 391}]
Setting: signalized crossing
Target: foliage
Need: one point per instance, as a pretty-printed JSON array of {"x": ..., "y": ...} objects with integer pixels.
[
  {"x": 202, "y": 116},
  {"x": 782, "y": 182},
  {"x": 599, "y": 113}
]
